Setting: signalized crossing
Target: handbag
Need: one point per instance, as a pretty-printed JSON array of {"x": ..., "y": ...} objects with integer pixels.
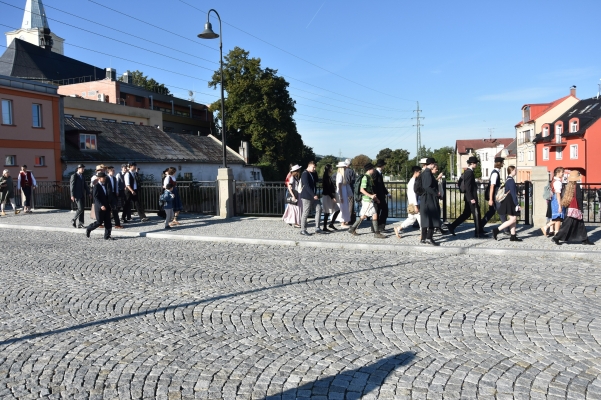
[
  {"x": 411, "y": 209},
  {"x": 575, "y": 213}
]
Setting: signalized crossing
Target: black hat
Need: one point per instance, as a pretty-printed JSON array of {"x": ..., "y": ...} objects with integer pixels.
[
  {"x": 473, "y": 160},
  {"x": 81, "y": 166},
  {"x": 133, "y": 163},
  {"x": 110, "y": 167},
  {"x": 101, "y": 175},
  {"x": 380, "y": 163},
  {"x": 430, "y": 160},
  {"x": 368, "y": 166},
  {"x": 499, "y": 159}
]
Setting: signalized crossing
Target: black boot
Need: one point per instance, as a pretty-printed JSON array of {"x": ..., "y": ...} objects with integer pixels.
[
  {"x": 423, "y": 236},
  {"x": 377, "y": 234},
  {"x": 514, "y": 238},
  {"x": 331, "y": 225},
  {"x": 353, "y": 229},
  {"x": 495, "y": 233},
  {"x": 325, "y": 222}
]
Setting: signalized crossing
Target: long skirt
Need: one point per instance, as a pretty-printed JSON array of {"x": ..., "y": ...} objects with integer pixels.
[
  {"x": 177, "y": 201},
  {"x": 292, "y": 215},
  {"x": 572, "y": 229},
  {"x": 329, "y": 206},
  {"x": 346, "y": 206}
]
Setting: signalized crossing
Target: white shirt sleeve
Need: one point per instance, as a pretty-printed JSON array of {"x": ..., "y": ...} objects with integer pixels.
[
  {"x": 33, "y": 182},
  {"x": 19, "y": 182},
  {"x": 127, "y": 177},
  {"x": 494, "y": 178},
  {"x": 411, "y": 198},
  {"x": 557, "y": 186},
  {"x": 166, "y": 181}
]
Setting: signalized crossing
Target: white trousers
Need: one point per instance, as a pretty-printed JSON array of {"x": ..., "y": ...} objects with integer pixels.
[{"x": 411, "y": 220}]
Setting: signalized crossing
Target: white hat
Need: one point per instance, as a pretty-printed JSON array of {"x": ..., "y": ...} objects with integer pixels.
[
  {"x": 341, "y": 164},
  {"x": 5, "y": 171},
  {"x": 347, "y": 162},
  {"x": 295, "y": 168},
  {"x": 423, "y": 161}
]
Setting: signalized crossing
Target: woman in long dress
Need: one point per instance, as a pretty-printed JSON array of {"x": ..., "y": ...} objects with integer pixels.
[
  {"x": 572, "y": 228},
  {"x": 557, "y": 212},
  {"x": 343, "y": 195},
  {"x": 328, "y": 199},
  {"x": 509, "y": 206},
  {"x": 292, "y": 214}
]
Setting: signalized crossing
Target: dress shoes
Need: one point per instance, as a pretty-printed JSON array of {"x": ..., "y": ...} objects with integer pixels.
[
  {"x": 109, "y": 238},
  {"x": 80, "y": 226},
  {"x": 88, "y": 232},
  {"x": 556, "y": 241},
  {"x": 514, "y": 238},
  {"x": 305, "y": 233},
  {"x": 74, "y": 223},
  {"x": 319, "y": 231},
  {"x": 495, "y": 233},
  {"x": 451, "y": 230},
  {"x": 331, "y": 226},
  {"x": 588, "y": 242},
  {"x": 431, "y": 242}
]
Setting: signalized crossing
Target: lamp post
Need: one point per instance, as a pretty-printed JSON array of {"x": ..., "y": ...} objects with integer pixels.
[{"x": 209, "y": 34}]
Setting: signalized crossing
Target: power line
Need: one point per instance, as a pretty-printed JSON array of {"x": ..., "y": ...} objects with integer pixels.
[
  {"x": 355, "y": 114},
  {"x": 300, "y": 58},
  {"x": 344, "y": 122}
]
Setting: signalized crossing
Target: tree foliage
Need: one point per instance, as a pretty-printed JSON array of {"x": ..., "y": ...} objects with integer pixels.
[
  {"x": 358, "y": 162},
  {"x": 259, "y": 109},
  {"x": 139, "y": 79},
  {"x": 321, "y": 164}
]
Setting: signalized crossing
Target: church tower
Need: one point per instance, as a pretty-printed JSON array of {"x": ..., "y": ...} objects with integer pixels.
[{"x": 35, "y": 29}]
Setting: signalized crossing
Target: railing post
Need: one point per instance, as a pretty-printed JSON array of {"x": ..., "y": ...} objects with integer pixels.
[
  {"x": 527, "y": 202},
  {"x": 444, "y": 207}
]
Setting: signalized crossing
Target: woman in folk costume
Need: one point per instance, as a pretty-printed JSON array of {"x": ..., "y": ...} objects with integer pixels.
[
  {"x": 292, "y": 215},
  {"x": 344, "y": 195},
  {"x": 573, "y": 228},
  {"x": 328, "y": 199},
  {"x": 177, "y": 201},
  {"x": 509, "y": 206}
]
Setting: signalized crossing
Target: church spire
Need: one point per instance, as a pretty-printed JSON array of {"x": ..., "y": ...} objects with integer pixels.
[{"x": 35, "y": 16}]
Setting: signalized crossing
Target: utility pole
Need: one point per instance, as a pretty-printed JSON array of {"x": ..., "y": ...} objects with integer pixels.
[{"x": 419, "y": 134}]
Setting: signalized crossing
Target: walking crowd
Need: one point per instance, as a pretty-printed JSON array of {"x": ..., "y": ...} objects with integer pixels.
[
  {"x": 25, "y": 184},
  {"x": 351, "y": 199}
]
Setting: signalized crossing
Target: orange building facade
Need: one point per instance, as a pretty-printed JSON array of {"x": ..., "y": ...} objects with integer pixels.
[{"x": 30, "y": 130}]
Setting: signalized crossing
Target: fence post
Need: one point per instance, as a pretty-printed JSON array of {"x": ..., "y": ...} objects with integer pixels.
[
  {"x": 527, "y": 202},
  {"x": 539, "y": 178},
  {"x": 444, "y": 206},
  {"x": 225, "y": 178}
]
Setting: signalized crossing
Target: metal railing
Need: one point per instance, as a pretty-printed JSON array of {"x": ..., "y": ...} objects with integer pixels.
[
  {"x": 196, "y": 196},
  {"x": 591, "y": 199}
]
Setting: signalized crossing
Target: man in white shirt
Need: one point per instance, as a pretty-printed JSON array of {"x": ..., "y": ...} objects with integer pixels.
[
  {"x": 131, "y": 192},
  {"x": 494, "y": 181},
  {"x": 412, "y": 204}
]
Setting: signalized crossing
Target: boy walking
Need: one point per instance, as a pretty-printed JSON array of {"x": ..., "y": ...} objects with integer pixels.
[{"x": 368, "y": 203}]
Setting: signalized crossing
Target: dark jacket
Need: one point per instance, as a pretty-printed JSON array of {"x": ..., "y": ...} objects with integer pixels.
[
  {"x": 511, "y": 189},
  {"x": 78, "y": 187},
  {"x": 379, "y": 188},
  {"x": 100, "y": 198},
  {"x": 111, "y": 190},
  {"x": 328, "y": 188},
  {"x": 471, "y": 187},
  {"x": 6, "y": 186},
  {"x": 309, "y": 183},
  {"x": 429, "y": 208}
]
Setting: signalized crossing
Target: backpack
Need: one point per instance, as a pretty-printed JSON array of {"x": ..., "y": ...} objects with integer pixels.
[
  {"x": 418, "y": 186},
  {"x": 548, "y": 192},
  {"x": 501, "y": 194},
  {"x": 461, "y": 184},
  {"x": 357, "y": 192},
  {"x": 487, "y": 191},
  {"x": 162, "y": 200}
]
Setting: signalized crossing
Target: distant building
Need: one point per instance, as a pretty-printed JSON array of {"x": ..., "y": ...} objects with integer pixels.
[
  {"x": 108, "y": 112},
  {"x": 93, "y": 142},
  {"x": 533, "y": 117},
  {"x": 35, "y": 29},
  {"x": 573, "y": 141},
  {"x": 485, "y": 148},
  {"x": 31, "y": 128}
]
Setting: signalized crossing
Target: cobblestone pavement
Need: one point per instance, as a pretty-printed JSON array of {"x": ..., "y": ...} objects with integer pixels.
[
  {"x": 145, "y": 318},
  {"x": 274, "y": 228}
]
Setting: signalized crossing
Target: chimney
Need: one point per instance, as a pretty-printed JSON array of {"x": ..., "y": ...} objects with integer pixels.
[
  {"x": 126, "y": 77},
  {"x": 573, "y": 91},
  {"x": 243, "y": 151},
  {"x": 111, "y": 74}
]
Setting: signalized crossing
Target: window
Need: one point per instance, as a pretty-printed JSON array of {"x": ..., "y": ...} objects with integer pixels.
[
  {"x": 128, "y": 122},
  {"x": 68, "y": 115},
  {"x": 521, "y": 156},
  {"x": 90, "y": 118},
  {"x": 545, "y": 131},
  {"x": 574, "y": 151},
  {"x": 87, "y": 142},
  {"x": 486, "y": 172},
  {"x": 139, "y": 99},
  {"x": 574, "y": 126},
  {"x": 7, "y": 112},
  {"x": 187, "y": 176},
  {"x": 40, "y": 161},
  {"x": 486, "y": 158},
  {"x": 531, "y": 155},
  {"x": 558, "y": 130},
  {"x": 526, "y": 114},
  {"x": 36, "y": 115},
  {"x": 545, "y": 153},
  {"x": 109, "y": 120},
  {"x": 10, "y": 160},
  {"x": 558, "y": 153}
]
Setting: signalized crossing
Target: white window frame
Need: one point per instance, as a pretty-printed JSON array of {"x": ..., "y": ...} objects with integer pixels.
[
  {"x": 545, "y": 131},
  {"x": 573, "y": 152},
  {"x": 40, "y": 161},
  {"x": 530, "y": 155},
  {"x": 521, "y": 156},
  {"x": 36, "y": 115},
  {"x": 574, "y": 126},
  {"x": 545, "y": 153},
  {"x": 10, "y": 160},
  {"x": 558, "y": 131},
  {"x": 558, "y": 153},
  {"x": 83, "y": 139},
  {"x": 7, "y": 112}
]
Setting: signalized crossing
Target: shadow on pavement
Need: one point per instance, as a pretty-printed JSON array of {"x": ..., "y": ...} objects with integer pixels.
[{"x": 353, "y": 384}]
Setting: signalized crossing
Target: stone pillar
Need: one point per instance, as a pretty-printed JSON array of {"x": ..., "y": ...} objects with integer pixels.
[
  {"x": 539, "y": 178},
  {"x": 225, "y": 180}
]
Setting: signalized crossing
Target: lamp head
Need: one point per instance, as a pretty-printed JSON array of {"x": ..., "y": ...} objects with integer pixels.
[{"x": 208, "y": 32}]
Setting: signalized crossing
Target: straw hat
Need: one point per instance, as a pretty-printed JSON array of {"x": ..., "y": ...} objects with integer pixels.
[
  {"x": 574, "y": 176},
  {"x": 341, "y": 164},
  {"x": 295, "y": 168}
]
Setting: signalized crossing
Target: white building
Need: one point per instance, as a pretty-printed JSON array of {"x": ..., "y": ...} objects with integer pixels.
[
  {"x": 486, "y": 150},
  {"x": 35, "y": 29}
]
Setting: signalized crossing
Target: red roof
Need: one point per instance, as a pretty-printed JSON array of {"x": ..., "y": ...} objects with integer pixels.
[
  {"x": 461, "y": 146},
  {"x": 536, "y": 110}
]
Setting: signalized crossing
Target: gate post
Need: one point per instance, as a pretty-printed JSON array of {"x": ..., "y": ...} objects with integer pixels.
[
  {"x": 527, "y": 186},
  {"x": 225, "y": 180},
  {"x": 539, "y": 178}
]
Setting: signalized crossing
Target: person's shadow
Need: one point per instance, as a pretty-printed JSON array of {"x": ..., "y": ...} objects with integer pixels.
[{"x": 352, "y": 384}]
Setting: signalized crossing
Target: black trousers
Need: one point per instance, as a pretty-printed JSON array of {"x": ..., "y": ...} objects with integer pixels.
[
  {"x": 27, "y": 193},
  {"x": 80, "y": 211},
  {"x": 492, "y": 210},
  {"x": 469, "y": 209},
  {"x": 383, "y": 211},
  {"x": 132, "y": 201},
  {"x": 103, "y": 218}
]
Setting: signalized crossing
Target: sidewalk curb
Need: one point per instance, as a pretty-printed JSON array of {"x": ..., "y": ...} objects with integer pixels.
[{"x": 400, "y": 248}]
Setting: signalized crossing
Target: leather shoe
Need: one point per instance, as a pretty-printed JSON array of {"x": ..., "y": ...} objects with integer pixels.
[
  {"x": 88, "y": 232},
  {"x": 305, "y": 233},
  {"x": 451, "y": 230},
  {"x": 431, "y": 242},
  {"x": 495, "y": 233},
  {"x": 556, "y": 241},
  {"x": 319, "y": 231},
  {"x": 331, "y": 226},
  {"x": 74, "y": 223},
  {"x": 80, "y": 226},
  {"x": 109, "y": 238}
]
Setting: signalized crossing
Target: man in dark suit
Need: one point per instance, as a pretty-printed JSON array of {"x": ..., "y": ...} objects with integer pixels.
[
  {"x": 382, "y": 194},
  {"x": 79, "y": 191},
  {"x": 471, "y": 206},
  {"x": 100, "y": 195},
  {"x": 113, "y": 189}
]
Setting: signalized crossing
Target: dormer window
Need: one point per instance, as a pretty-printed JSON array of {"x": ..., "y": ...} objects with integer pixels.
[
  {"x": 545, "y": 131},
  {"x": 87, "y": 142},
  {"x": 526, "y": 114},
  {"x": 574, "y": 126},
  {"x": 558, "y": 131}
]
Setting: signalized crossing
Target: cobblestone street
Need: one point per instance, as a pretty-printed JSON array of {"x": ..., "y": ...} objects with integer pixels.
[{"x": 147, "y": 318}]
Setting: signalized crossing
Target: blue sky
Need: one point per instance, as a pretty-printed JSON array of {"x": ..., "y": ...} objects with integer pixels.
[{"x": 356, "y": 70}]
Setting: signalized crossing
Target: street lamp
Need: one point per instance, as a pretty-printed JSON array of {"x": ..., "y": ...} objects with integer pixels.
[{"x": 209, "y": 34}]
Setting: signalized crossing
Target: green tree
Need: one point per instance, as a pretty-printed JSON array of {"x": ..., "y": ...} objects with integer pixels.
[
  {"x": 384, "y": 154},
  {"x": 321, "y": 164},
  {"x": 260, "y": 110},
  {"x": 478, "y": 169},
  {"x": 442, "y": 158},
  {"x": 139, "y": 79},
  {"x": 358, "y": 162}
]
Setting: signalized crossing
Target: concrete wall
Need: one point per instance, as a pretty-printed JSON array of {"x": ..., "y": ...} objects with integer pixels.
[{"x": 81, "y": 107}]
